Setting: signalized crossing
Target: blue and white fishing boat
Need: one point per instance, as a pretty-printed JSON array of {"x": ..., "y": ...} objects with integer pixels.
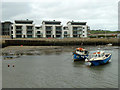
[
  {"x": 98, "y": 58},
  {"x": 80, "y": 54}
]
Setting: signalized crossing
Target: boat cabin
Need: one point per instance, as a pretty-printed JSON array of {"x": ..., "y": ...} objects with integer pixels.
[
  {"x": 81, "y": 51},
  {"x": 98, "y": 54}
]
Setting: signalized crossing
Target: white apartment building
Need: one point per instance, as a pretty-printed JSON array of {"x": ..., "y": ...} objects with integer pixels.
[
  {"x": 77, "y": 29},
  {"x": 52, "y": 29},
  {"x": 23, "y": 29},
  {"x": 49, "y": 29}
]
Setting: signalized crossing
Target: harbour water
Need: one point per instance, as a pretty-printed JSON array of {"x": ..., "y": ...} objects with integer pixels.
[{"x": 56, "y": 69}]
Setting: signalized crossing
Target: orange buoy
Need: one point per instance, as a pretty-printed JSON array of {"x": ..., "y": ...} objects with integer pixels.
[{"x": 21, "y": 45}]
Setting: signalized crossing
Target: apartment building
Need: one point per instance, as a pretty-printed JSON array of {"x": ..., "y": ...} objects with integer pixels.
[
  {"x": 6, "y": 28},
  {"x": 52, "y": 29},
  {"x": 23, "y": 29},
  {"x": 49, "y": 29},
  {"x": 77, "y": 29}
]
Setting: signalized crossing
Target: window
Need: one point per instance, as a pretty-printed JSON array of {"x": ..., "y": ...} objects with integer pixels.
[
  {"x": 29, "y": 32},
  {"x": 38, "y": 32},
  {"x": 65, "y": 32},
  {"x": 65, "y": 35},
  {"x": 39, "y": 36},
  {"x": 74, "y": 32},
  {"x": 48, "y": 28},
  {"x": 58, "y": 36},
  {"x": 29, "y": 27},
  {"x": 74, "y": 35},
  {"x": 37, "y": 27},
  {"x": 48, "y": 36},
  {"x": 29, "y": 36},
  {"x": 18, "y": 27},
  {"x": 58, "y": 28},
  {"x": 18, "y": 36},
  {"x": 18, "y": 32},
  {"x": 11, "y": 32},
  {"x": 48, "y": 32}
]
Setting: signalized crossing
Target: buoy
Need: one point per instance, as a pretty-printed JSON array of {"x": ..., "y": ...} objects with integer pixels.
[
  {"x": 21, "y": 45},
  {"x": 8, "y": 65},
  {"x": 13, "y": 65}
]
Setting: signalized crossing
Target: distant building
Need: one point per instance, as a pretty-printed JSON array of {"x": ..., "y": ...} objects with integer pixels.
[
  {"x": 49, "y": 29},
  {"x": 6, "y": 28},
  {"x": 52, "y": 29},
  {"x": 23, "y": 29},
  {"x": 77, "y": 29}
]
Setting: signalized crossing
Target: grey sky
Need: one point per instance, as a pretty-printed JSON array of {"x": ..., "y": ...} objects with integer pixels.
[{"x": 99, "y": 14}]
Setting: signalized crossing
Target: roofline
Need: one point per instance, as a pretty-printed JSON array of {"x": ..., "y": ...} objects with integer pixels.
[{"x": 50, "y": 21}]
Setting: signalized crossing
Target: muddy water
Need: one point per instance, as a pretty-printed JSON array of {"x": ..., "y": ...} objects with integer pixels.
[{"x": 54, "y": 68}]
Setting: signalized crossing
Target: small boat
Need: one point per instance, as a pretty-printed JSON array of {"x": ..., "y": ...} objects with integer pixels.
[
  {"x": 80, "y": 54},
  {"x": 98, "y": 58}
]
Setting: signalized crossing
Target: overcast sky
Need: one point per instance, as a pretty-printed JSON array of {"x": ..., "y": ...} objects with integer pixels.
[{"x": 99, "y": 14}]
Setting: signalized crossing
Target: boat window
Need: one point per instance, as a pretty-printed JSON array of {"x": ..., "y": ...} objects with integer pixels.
[{"x": 99, "y": 55}]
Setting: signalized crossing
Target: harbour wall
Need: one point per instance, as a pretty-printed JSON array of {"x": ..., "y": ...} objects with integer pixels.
[{"x": 59, "y": 42}]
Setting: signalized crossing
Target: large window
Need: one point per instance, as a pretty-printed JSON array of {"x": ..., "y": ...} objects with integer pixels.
[
  {"x": 74, "y": 35},
  {"x": 48, "y": 28},
  {"x": 18, "y": 27},
  {"x": 65, "y": 32},
  {"x": 18, "y": 32},
  {"x": 29, "y": 36},
  {"x": 29, "y": 27},
  {"x": 38, "y": 32},
  {"x": 48, "y": 36},
  {"x": 58, "y": 28},
  {"x": 18, "y": 36},
  {"x": 39, "y": 36}
]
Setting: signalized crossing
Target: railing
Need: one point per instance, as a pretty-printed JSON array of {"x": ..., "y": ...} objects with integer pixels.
[
  {"x": 18, "y": 29},
  {"x": 29, "y": 29},
  {"x": 39, "y": 33},
  {"x": 18, "y": 33},
  {"x": 29, "y": 33}
]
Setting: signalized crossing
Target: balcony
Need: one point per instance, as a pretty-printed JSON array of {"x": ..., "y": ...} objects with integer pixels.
[
  {"x": 18, "y": 33},
  {"x": 39, "y": 33},
  {"x": 18, "y": 29},
  {"x": 48, "y": 33},
  {"x": 29, "y": 29},
  {"x": 58, "y": 33}
]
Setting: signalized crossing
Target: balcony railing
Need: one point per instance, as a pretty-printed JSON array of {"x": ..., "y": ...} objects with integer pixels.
[
  {"x": 30, "y": 33},
  {"x": 19, "y": 33},
  {"x": 59, "y": 33},
  {"x": 29, "y": 29},
  {"x": 39, "y": 33},
  {"x": 18, "y": 29},
  {"x": 48, "y": 33}
]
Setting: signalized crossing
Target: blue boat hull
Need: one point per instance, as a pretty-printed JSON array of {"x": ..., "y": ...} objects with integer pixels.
[
  {"x": 100, "y": 62},
  {"x": 77, "y": 57}
]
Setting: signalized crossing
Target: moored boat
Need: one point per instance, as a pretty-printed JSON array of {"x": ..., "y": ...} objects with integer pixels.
[
  {"x": 98, "y": 58},
  {"x": 80, "y": 54}
]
